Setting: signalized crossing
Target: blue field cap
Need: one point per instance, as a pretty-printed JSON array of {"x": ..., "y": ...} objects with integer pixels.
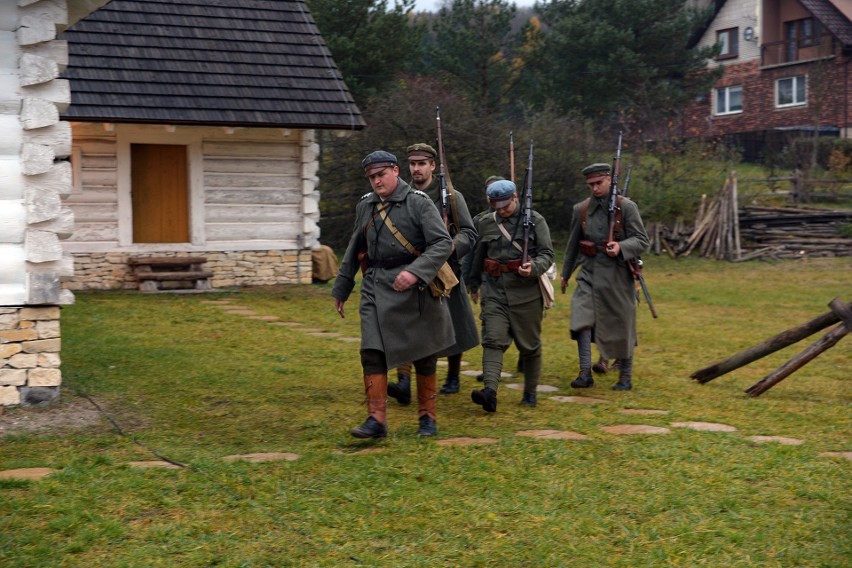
[{"x": 500, "y": 193}]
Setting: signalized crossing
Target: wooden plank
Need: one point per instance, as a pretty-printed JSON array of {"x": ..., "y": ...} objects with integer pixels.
[
  {"x": 253, "y": 196},
  {"x": 161, "y": 276},
  {"x": 236, "y": 181},
  {"x": 166, "y": 260},
  {"x": 252, "y": 166},
  {"x": 249, "y": 214},
  {"x": 160, "y": 199},
  {"x": 223, "y": 232},
  {"x": 251, "y": 150}
]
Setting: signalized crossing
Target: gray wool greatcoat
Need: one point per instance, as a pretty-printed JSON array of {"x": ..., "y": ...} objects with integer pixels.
[
  {"x": 464, "y": 322},
  {"x": 605, "y": 297},
  {"x": 410, "y": 325}
]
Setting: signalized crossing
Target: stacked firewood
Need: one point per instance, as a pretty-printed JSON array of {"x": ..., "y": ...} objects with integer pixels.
[{"x": 722, "y": 230}]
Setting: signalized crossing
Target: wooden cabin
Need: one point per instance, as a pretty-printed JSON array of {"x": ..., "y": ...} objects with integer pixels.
[{"x": 152, "y": 129}]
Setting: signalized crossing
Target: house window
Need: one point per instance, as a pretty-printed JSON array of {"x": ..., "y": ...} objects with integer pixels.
[
  {"x": 729, "y": 40},
  {"x": 790, "y": 91},
  {"x": 729, "y": 100},
  {"x": 799, "y": 34}
]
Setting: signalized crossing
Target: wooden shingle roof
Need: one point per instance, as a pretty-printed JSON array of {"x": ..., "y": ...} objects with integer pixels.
[{"x": 220, "y": 62}]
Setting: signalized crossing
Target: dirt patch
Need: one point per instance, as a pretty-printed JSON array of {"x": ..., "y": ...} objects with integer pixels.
[{"x": 74, "y": 414}]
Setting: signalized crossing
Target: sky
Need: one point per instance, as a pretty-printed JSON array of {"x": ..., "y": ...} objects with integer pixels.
[{"x": 434, "y": 5}]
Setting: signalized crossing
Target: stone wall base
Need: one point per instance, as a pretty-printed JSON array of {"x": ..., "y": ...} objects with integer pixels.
[
  {"x": 29, "y": 355},
  {"x": 110, "y": 271}
]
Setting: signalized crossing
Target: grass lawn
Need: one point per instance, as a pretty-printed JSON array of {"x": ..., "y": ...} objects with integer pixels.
[{"x": 185, "y": 379}]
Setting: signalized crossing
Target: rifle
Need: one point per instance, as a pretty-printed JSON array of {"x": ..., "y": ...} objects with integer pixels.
[
  {"x": 613, "y": 191},
  {"x": 527, "y": 213},
  {"x": 448, "y": 199},
  {"x": 512, "y": 156},
  {"x": 635, "y": 265}
]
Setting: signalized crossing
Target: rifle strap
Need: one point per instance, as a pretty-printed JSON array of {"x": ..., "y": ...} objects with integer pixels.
[{"x": 619, "y": 216}]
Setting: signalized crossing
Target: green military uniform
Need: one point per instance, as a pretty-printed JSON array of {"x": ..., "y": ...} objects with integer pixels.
[
  {"x": 605, "y": 298},
  {"x": 405, "y": 326},
  {"x": 464, "y": 322},
  {"x": 513, "y": 307}
]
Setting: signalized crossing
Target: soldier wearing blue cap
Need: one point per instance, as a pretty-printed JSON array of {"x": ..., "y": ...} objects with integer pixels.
[
  {"x": 400, "y": 320},
  {"x": 421, "y": 166},
  {"x": 513, "y": 308},
  {"x": 603, "y": 307}
]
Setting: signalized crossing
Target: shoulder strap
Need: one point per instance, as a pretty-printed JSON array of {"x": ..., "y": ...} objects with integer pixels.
[
  {"x": 584, "y": 209},
  {"x": 506, "y": 233},
  {"x": 619, "y": 216},
  {"x": 395, "y": 232}
]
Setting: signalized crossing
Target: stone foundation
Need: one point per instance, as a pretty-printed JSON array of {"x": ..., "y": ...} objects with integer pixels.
[
  {"x": 29, "y": 355},
  {"x": 110, "y": 271}
]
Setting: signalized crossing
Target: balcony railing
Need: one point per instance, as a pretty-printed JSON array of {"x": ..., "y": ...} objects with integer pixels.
[{"x": 796, "y": 50}]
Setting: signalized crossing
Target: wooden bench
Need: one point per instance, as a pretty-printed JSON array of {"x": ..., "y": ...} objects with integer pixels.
[{"x": 154, "y": 273}]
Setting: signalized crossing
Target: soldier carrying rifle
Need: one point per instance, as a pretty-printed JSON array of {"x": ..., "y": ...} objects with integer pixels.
[
  {"x": 514, "y": 250},
  {"x": 606, "y": 234}
]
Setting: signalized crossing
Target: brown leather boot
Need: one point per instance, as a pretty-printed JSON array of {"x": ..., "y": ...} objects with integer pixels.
[
  {"x": 427, "y": 394},
  {"x": 376, "y": 425}
]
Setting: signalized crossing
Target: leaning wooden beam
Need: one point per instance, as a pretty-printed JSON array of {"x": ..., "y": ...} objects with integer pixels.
[
  {"x": 826, "y": 342},
  {"x": 771, "y": 345}
]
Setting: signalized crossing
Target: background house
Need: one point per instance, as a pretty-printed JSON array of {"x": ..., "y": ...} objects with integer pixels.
[
  {"x": 786, "y": 72},
  {"x": 194, "y": 132}
]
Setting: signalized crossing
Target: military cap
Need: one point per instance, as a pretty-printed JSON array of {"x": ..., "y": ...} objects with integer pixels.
[
  {"x": 421, "y": 151},
  {"x": 500, "y": 193},
  {"x": 492, "y": 179},
  {"x": 377, "y": 160},
  {"x": 594, "y": 172}
]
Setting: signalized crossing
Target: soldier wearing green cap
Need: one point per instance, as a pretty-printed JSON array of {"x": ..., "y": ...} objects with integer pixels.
[
  {"x": 421, "y": 165},
  {"x": 603, "y": 306},
  {"x": 400, "y": 320}
]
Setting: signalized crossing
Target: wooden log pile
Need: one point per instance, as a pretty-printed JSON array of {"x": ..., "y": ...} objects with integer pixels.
[
  {"x": 795, "y": 232},
  {"x": 725, "y": 231}
]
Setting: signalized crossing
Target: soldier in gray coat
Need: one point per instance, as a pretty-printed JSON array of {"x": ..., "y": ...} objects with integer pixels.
[
  {"x": 603, "y": 307},
  {"x": 421, "y": 164},
  {"x": 513, "y": 307},
  {"x": 400, "y": 320}
]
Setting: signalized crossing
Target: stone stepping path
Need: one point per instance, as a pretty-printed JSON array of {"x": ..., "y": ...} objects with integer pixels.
[
  {"x": 503, "y": 375},
  {"x": 780, "y": 440},
  {"x": 580, "y": 399},
  {"x": 847, "y": 455},
  {"x": 552, "y": 434},
  {"x": 630, "y": 429},
  {"x": 539, "y": 388},
  {"x": 34, "y": 473},
  {"x": 704, "y": 426},
  {"x": 263, "y": 457},
  {"x": 26, "y": 473}
]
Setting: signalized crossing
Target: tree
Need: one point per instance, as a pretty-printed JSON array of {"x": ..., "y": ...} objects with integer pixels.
[
  {"x": 369, "y": 43},
  {"x": 622, "y": 60},
  {"x": 471, "y": 49}
]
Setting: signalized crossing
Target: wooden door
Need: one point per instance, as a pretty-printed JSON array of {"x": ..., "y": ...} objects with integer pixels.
[{"x": 160, "y": 193}]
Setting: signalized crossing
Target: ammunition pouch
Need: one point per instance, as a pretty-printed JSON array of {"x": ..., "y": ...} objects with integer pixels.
[
  {"x": 588, "y": 248},
  {"x": 495, "y": 268}
]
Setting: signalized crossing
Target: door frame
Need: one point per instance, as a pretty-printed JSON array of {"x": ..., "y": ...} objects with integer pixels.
[{"x": 127, "y": 134}]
